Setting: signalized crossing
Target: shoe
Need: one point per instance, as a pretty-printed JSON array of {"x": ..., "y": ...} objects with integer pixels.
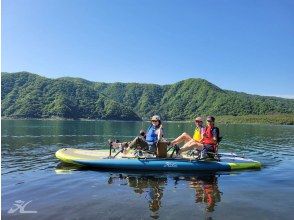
[
  {"x": 138, "y": 153},
  {"x": 110, "y": 142}
]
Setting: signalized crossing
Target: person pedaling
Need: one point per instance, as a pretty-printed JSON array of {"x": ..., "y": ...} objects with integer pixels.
[
  {"x": 204, "y": 141},
  {"x": 152, "y": 137},
  {"x": 149, "y": 142},
  {"x": 199, "y": 129},
  {"x": 211, "y": 138}
]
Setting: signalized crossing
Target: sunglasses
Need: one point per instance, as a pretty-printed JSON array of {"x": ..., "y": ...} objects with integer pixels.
[
  {"x": 154, "y": 121},
  {"x": 209, "y": 121},
  {"x": 198, "y": 121}
]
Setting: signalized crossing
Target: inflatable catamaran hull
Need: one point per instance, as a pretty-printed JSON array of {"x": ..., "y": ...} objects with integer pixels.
[{"x": 99, "y": 159}]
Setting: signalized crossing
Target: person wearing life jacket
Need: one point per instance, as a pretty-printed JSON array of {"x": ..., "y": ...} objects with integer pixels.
[
  {"x": 199, "y": 129},
  {"x": 209, "y": 141},
  {"x": 154, "y": 133},
  {"x": 211, "y": 136},
  {"x": 191, "y": 142},
  {"x": 145, "y": 141}
]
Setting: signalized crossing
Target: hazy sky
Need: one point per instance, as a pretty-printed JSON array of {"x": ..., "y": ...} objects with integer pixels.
[{"x": 242, "y": 45}]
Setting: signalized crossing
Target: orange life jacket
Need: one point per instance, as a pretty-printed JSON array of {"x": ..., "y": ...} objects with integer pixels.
[{"x": 208, "y": 138}]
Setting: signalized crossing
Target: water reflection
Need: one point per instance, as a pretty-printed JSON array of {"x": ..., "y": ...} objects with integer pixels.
[
  {"x": 152, "y": 188},
  {"x": 206, "y": 190}
]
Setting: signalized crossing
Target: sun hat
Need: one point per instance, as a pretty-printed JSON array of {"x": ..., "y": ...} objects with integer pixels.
[{"x": 155, "y": 118}]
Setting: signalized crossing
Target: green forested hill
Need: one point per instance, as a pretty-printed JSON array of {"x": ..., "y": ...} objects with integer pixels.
[{"x": 28, "y": 95}]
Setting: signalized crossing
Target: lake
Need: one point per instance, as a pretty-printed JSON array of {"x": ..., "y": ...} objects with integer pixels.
[{"x": 34, "y": 179}]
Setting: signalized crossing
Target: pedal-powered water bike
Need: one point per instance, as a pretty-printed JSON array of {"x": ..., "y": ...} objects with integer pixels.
[{"x": 145, "y": 161}]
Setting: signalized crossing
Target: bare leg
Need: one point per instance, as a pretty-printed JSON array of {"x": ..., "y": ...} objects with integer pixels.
[
  {"x": 191, "y": 145},
  {"x": 183, "y": 137}
]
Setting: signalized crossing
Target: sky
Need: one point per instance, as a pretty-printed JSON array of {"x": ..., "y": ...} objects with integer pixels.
[{"x": 241, "y": 45}]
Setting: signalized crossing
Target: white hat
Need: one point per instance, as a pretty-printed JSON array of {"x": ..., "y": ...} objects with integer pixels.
[{"x": 155, "y": 118}]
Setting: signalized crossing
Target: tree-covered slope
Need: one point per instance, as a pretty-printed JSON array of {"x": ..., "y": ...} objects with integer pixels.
[
  {"x": 185, "y": 99},
  {"x": 29, "y": 95}
]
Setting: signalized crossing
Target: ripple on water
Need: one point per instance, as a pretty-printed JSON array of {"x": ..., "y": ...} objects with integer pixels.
[{"x": 267, "y": 152}]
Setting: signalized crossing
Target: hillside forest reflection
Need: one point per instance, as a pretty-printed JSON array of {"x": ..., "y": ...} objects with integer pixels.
[{"x": 205, "y": 187}]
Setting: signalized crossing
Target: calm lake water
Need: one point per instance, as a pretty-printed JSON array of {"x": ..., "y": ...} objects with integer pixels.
[{"x": 32, "y": 174}]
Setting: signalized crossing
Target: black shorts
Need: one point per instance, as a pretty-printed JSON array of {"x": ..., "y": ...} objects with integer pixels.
[{"x": 208, "y": 147}]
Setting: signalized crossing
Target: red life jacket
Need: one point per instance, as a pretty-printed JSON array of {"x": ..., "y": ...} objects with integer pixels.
[{"x": 208, "y": 139}]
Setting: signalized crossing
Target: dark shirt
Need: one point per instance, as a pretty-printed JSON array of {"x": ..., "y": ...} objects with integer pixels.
[{"x": 215, "y": 133}]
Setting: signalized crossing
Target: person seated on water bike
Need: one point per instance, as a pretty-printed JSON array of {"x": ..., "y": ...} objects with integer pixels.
[
  {"x": 145, "y": 141},
  {"x": 190, "y": 142},
  {"x": 209, "y": 141}
]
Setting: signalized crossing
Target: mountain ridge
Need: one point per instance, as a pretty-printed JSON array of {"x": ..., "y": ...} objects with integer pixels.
[{"x": 72, "y": 97}]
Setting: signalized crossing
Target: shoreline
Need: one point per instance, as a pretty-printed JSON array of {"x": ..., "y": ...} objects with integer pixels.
[{"x": 278, "y": 119}]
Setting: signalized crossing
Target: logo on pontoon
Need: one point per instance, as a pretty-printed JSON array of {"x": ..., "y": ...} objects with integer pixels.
[{"x": 170, "y": 164}]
